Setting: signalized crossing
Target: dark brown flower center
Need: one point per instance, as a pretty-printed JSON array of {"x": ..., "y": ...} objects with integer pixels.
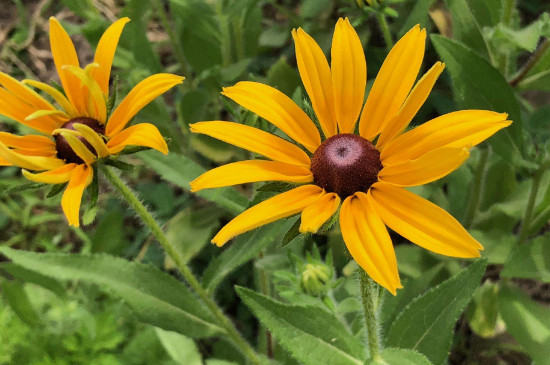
[
  {"x": 345, "y": 164},
  {"x": 64, "y": 150}
]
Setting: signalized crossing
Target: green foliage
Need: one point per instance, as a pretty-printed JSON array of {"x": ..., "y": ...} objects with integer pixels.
[
  {"x": 529, "y": 261},
  {"x": 426, "y": 324},
  {"x": 392, "y": 356},
  {"x": 155, "y": 297}
]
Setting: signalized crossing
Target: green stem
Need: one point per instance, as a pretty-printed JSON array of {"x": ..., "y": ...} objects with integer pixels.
[
  {"x": 531, "y": 63},
  {"x": 506, "y": 18},
  {"x": 178, "y": 52},
  {"x": 368, "y": 299},
  {"x": 477, "y": 188},
  {"x": 385, "y": 30},
  {"x": 528, "y": 214},
  {"x": 132, "y": 199}
]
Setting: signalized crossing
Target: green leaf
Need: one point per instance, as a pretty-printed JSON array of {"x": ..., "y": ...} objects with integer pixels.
[
  {"x": 283, "y": 77},
  {"x": 465, "y": 27},
  {"x": 312, "y": 335},
  {"x": 392, "y": 356},
  {"x": 487, "y": 12},
  {"x": 18, "y": 299},
  {"x": 478, "y": 85},
  {"x": 181, "y": 349},
  {"x": 483, "y": 313},
  {"x": 181, "y": 170},
  {"x": 30, "y": 276},
  {"x": 155, "y": 297},
  {"x": 527, "y": 321},
  {"x": 426, "y": 324},
  {"x": 529, "y": 261},
  {"x": 418, "y": 15},
  {"x": 242, "y": 249}
]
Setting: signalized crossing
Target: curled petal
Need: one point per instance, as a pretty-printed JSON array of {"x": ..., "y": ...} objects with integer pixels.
[
  {"x": 93, "y": 138},
  {"x": 72, "y": 197},
  {"x": 143, "y": 134},
  {"x": 270, "y": 210},
  {"x": 318, "y": 212},
  {"x": 37, "y": 163},
  {"x": 58, "y": 176}
]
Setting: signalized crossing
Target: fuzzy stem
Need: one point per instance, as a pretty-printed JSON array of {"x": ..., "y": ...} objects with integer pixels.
[
  {"x": 531, "y": 63},
  {"x": 476, "y": 188},
  {"x": 385, "y": 30},
  {"x": 131, "y": 198},
  {"x": 368, "y": 299}
]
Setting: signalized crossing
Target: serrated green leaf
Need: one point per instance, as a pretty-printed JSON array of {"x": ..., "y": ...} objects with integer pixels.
[
  {"x": 478, "y": 85},
  {"x": 243, "y": 249},
  {"x": 180, "y": 171},
  {"x": 465, "y": 27},
  {"x": 529, "y": 261},
  {"x": 426, "y": 324},
  {"x": 393, "y": 356},
  {"x": 155, "y": 297},
  {"x": 312, "y": 335},
  {"x": 528, "y": 322}
]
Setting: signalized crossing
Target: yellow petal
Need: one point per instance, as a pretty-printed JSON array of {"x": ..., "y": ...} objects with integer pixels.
[
  {"x": 460, "y": 129},
  {"x": 41, "y": 113},
  {"x": 56, "y": 95},
  {"x": 349, "y": 75},
  {"x": 318, "y": 212},
  {"x": 429, "y": 167},
  {"x": 105, "y": 53},
  {"x": 24, "y": 93},
  {"x": 4, "y": 162},
  {"x": 79, "y": 148},
  {"x": 393, "y": 82},
  {"x": 423, "y": 222},
  {"x": 138, "y": 98},
  {"x": 315, "y": 73},
  {"x": 72, "y": 197},
  {"x": 93, "y": 138},
  {"x": 270, "y": 210},
  {"x": 29, "y": 142},
  {"x": 16, "y": 109},
  {"x": 143, "y": 134},
  {"x": 38, "y": 163},
  {"x": 254, "y": 140},
  {"x": 243, "y": 172},
  {"x": 414, "y": 101},
  {"x": 58, "y": 176},
  {"x": 277, "y": 108},
  {"x": 98, "y": 105},
  {"x": 64, "y": 54},
  {"x": 368, "y": 241}
]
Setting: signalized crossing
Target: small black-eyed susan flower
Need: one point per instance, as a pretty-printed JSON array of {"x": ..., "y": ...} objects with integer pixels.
[
  {"x": 366, "y": 171},
  {"x": 79, "y": 131}
]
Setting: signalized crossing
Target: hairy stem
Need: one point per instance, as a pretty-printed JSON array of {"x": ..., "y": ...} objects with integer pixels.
[
  {"x": 385, "y": 30},
  {"x": 131, "y": 198},
  {"x": 368, "y": 299}
]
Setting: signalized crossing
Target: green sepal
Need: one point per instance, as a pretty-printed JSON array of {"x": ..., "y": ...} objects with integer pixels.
[
  {"x": 22, "y": 187},
  {"x": 112, "y": 98},
  {"x": 55, "y": 190},
  {"x": 292, "y": 233},
  {"x": 91, "y": 213},
  {"x": 118, "y": 164}
]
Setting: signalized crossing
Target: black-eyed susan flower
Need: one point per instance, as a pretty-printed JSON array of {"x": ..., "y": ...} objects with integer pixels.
[
  {"x": 78, "y": 131},
  {"x": 364, "y": 174}
]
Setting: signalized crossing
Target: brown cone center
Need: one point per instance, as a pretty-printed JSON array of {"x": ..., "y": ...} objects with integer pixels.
[
  {"x": 345, "y": 164},
  {"x": 64, "y": 150}
]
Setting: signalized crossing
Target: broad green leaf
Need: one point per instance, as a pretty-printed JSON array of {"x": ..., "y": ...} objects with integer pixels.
[
  {"x": 527, "y": 321},
  {"x": 418, "y": 15},
  {"x": 487, "y": 12},
  {"x": 181, "y": 349},
  {"x": 393, "y": 356},
  {"x": 30, "y": 276},
  {"x": 283, "y": 77},
  {"x": 496, "y": 243},
  {"x": 180, "y": 170},
  {"x": 18, "y": 299},
  {"x": 155, "y": 297},
  {"x": 478, "y": 85},
  {"x": 243, "y": 249},
  {"x": 426, "y": 324},
  {"x": 465, "y": 27},
  {"x": 530, "y": 261},
  {"x": 312, "y": 335}
]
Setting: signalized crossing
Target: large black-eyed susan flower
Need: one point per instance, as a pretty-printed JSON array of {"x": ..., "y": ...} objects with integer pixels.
[
  {"x": 363, "y": 174},
  {"x": 77, "y": 131}
]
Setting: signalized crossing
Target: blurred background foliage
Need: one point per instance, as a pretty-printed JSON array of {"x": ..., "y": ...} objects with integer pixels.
[{"x": 498, "y": 57}]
